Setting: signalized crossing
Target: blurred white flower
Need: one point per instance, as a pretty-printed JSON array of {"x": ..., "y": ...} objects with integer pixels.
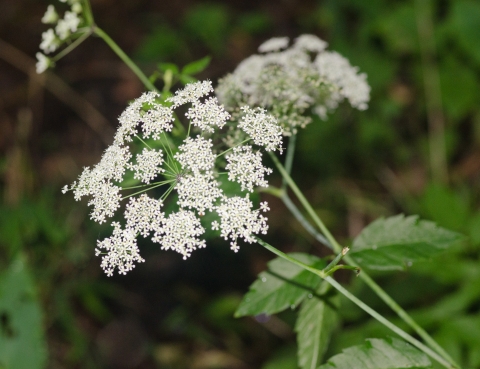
[
  {"x": 50, "y": 15},
  {"x": 293, "y": 83},
  {"x": 274, "y": 44},
  {"x": 43, "y": 62},
  {"x": 68, "y": 24}
]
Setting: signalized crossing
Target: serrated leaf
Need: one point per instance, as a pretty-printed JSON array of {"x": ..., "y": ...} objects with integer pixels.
[
  {"x": 316, "y": 321},
  {"x": 196, "y": 66},
  {"x": 284, "y": 285},
  {"x": 22, "y": 341},
  {"x": 390, "y": 353},
  {"x": 396, "y": 242}
]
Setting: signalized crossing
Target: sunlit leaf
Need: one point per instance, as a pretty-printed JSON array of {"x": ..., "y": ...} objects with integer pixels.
[
  {"x": 196, "y": 66},
  {"x": 284, "y": 285},
  {"x": 316, "y": 321},
  {"x": 390, "y": 353},
  {"x": 398, "y": 241}
]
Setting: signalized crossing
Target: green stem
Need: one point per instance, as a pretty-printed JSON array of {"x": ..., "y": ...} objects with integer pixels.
[
  {"x": 291, "y": 183},
  {"x": 99, "y": 32},
  {"x": 72, "y": 46},
  {"x": 333, "y": 244},
  {"x": 299, "y": 216},
  {"x": 289, "y": 158},
  {"x": 380, "y": 318}
]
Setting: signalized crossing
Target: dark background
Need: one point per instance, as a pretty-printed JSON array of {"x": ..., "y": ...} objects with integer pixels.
[{"x": 355, "y": 167}]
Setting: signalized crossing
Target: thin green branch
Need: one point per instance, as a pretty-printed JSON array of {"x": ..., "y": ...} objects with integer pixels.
[
  {"x": 289, "y": 158},
  {"x": 125, "y": 58},
  {"x": 72, "y": 46}
]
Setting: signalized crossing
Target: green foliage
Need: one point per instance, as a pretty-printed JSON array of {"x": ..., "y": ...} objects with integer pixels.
[
  {"x": 22, "y": 341},
  {"x": 208, "y": 23},
  {"x": 464, "y": 25},
  {"x": 283, "y": 286},
  {"x": 390, "y": 353},
  {"x": 398, "y": 241},
  {"x": 315, "y": 324}
]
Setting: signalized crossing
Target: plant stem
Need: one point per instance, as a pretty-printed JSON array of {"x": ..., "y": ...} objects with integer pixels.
[
  {"x": 333, "y": 244},
  {"x": 289, "y": 158},
  {"x": 125, "y": 58},
  {"x": 359, "y": 303}
]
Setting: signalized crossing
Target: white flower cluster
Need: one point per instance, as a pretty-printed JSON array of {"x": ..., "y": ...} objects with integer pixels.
[
  {"x": 53, "y": 38},
  {"x": 292, "y": 82},
  {"x": 191, "y": 169}
]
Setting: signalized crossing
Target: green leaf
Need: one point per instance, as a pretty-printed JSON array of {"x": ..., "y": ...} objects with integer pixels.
[
  {"x": 196, "y": 66},
  {"x": 316, "y": 321},
  {"x": 284, "y": 285},
  {"x": 168, "y": 66},
  {"x": 464, "y": 24},
  {"x": 376, "y": 353},
  {"x": 22, "y": 342},
  {"x": 396, "y": 242}
]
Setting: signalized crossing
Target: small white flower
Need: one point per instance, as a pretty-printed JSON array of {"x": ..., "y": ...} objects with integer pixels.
[
  {"x": 155, "y": 120},
  {"x": 148, "y": 165},
  {"x": 105, "y": 201},
  {"x": 264, "y": 206},
  {"x": 77, "y": 7},
  {"x": 274, "y": 44},
  {"x": 49, "y": 42},
  {"x": 310, "y": 43},
  {"x": 191, "y": 93},
  {"x": 262, "y": 128},
  {"x": 50, "y": 15},
  {"x": 114, "y": 161},
  {"x": 245, "y": 167},
  {"x": 144, "y": 214},
  {"x": 197, "y": 192},
  {"x": 207, "y": 115},
  {"x": 68, "y": 24},
  {"x": 180, "y": 232},
  {"x": 196, "y": 154},
  {"x": 336, "y": 70},
  {"x": 238, "y": 220},
  {"x": 43, "y": 62},
  {"x": 121, "y": 251}
]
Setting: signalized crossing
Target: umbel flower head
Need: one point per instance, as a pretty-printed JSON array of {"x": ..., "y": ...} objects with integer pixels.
[
  {"x": 191, "y": 167},
  {"x": 291, "y": 82},
  {"x": 61, "y": 32}
]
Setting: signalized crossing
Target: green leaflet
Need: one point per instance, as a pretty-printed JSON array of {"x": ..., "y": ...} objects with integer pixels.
[
  {"x": 395, "y": 242},
  {"x": 284, "y": 285},
  {"x": 390, "y": 353},
  {"x": 316, "y": 321},
  {"x": 22, "y": 344}
]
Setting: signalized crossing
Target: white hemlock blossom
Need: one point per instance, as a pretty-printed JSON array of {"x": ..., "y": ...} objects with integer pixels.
[
  {"x": 192, "y": 168},
  {"x": 290, "y": 83},
  {"x": 43, "y": 62},
  {"x": 61, "y": 33}
]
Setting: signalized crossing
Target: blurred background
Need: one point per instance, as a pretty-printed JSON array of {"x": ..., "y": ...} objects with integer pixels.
[{"x": 416, "y": 150}]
